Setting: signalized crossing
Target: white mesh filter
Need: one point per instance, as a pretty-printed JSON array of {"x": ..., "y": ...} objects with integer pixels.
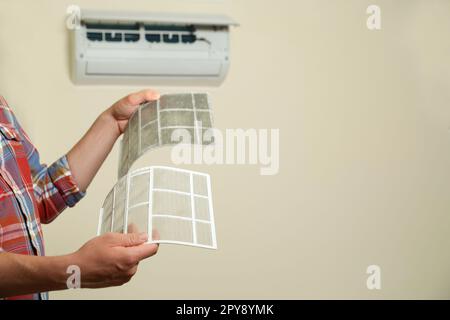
[
  {"x": 154, "y": 122},
  {"x": 171, "y": 205}
]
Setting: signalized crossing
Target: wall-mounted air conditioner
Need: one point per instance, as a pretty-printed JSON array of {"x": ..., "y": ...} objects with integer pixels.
[{"x": 150, "y": 49}]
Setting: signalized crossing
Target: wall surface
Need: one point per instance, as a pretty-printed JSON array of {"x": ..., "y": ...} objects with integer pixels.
[{"x": 364, "y": 122}]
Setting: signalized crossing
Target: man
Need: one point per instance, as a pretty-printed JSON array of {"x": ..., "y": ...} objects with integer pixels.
[{"x": 31, "y": 193}]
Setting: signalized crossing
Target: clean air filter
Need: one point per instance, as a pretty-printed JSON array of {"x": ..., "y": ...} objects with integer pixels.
[{"x": 171, "y": 205}]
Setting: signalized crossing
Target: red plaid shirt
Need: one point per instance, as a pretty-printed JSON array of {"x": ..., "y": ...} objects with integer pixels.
[{"x": 30, "y": 192}]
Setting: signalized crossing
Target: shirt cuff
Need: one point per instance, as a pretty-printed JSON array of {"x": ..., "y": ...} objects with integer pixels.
[{"x": 64, "y": 182}]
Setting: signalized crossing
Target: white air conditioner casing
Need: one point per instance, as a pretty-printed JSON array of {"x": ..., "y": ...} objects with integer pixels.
[{"x": 150, "y": 49}]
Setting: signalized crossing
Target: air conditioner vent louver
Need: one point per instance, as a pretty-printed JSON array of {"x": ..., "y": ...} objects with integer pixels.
[
  {"x": 112, "y": 26},
  {"x": 153, "y": 33},
  {"x": 169, "y": 28}
]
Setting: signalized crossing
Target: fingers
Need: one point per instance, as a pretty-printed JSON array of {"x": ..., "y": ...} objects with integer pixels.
[
  {"x": 126, "y": 240},
  {"x": 125, "y": 107},
  {"x": 137, "y": 98},
  {"x": 133, "y": 228},
  {"x": 155, "y": 235},
  {"x": 134, "y": 244},
  {"x": 143, "y": 251}
]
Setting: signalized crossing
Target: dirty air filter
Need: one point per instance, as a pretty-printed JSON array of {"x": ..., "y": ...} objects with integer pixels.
[
  {"x": 153, "y": 124},
  {"x": 171, "y": 205}
]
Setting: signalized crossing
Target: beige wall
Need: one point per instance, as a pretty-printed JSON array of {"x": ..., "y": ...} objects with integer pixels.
[{"x": 365, "y": 150}]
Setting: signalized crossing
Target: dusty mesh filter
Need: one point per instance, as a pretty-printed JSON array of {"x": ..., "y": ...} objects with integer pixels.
[
  {"x": 153, "y": 124},
  {"x": 171, "y": 205}
]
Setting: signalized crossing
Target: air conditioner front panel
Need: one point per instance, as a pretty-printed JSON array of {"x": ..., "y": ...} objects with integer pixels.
[
  {"x": 148, "y": 53},
  {"x": 154, "y": 68}
]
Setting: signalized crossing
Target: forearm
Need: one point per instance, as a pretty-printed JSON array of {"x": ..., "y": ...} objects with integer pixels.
[
  {"x": 86, "y": 157},
  {"x": 88, "y": 154},
  {"x": 21, "y": 274}
]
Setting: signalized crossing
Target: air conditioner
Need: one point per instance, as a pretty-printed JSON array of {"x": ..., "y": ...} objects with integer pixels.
[{"x": 150, "y": 49}]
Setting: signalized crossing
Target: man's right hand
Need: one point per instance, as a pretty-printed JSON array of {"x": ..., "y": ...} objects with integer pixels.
[{"x": 112, "y": 259}]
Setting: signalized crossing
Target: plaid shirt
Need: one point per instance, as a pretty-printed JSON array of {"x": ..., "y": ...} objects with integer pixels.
[{"x": 30, "y": 192}]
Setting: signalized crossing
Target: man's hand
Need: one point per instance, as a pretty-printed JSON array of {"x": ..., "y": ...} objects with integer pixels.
[
  {"x": 88, "y": 154},
  {"x": 108, "y": 260},
  {"x": 112, "y": 259},
  {"x": 122, "y": 110}
]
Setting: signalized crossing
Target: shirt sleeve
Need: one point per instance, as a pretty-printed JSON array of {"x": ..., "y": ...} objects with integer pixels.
[{"x": 54, "y": 187}]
